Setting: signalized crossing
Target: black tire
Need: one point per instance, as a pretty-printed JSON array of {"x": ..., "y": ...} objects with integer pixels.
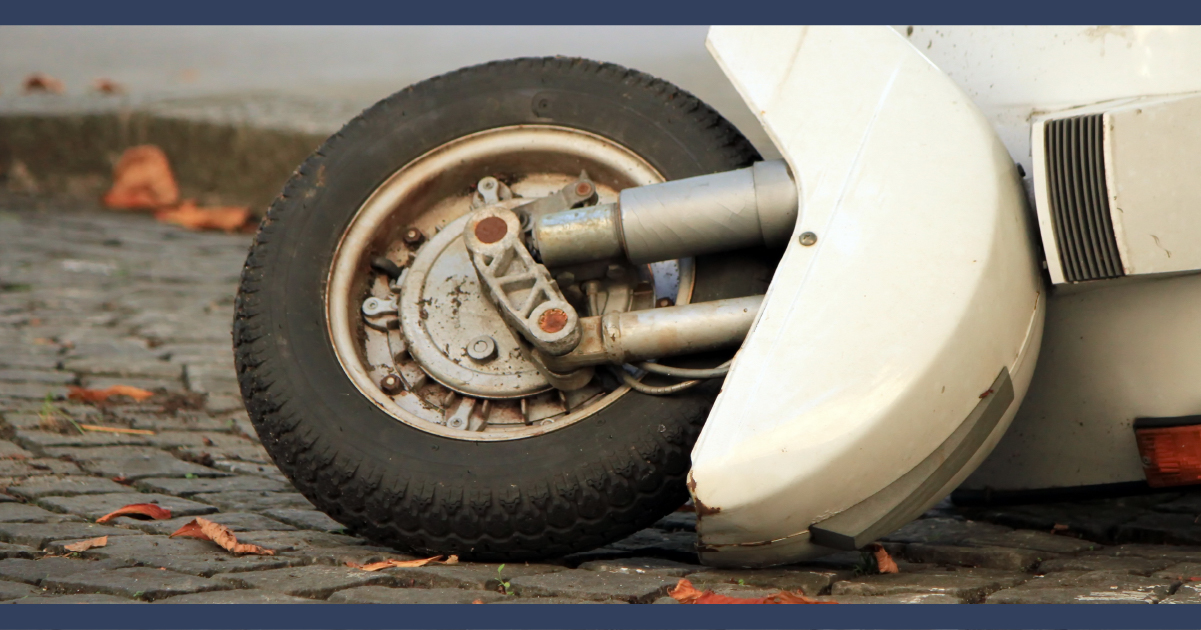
[{"x": 568, "y": 490}]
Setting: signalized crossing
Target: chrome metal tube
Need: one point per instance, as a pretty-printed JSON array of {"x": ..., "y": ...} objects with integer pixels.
[
  {"x": 660, "y": 332},
  {"x": 750, "y": 207},
  {"x": 578, "y": 235}
]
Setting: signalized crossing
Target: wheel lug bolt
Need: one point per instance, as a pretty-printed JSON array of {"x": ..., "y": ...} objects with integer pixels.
[
  {"x": 413, "y": 236},
  {"x": 390, "y": 384},
  {"x": 481, "y": 349}
]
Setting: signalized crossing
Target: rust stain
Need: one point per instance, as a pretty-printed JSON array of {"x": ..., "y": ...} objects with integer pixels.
[
  {"x": 702, "y": 510},
  {"x": 553, "y": 320},
  {"x": 491, "y": 229}
]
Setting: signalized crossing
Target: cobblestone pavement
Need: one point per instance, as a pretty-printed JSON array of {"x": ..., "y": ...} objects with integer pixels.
[{"x": 96, "y": 299}]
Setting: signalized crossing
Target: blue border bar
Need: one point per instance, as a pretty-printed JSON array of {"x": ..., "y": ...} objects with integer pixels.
[
  {"x": 433, "y": 616},
  {"x": 489, "y": 12}
]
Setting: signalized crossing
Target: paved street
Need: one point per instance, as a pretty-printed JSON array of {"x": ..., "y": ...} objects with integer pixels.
[{"x": 92, "y": 298}]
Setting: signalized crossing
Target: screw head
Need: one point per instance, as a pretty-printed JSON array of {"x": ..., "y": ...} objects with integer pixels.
[
  {"x": 664, "y": 302},
  {"x": 413, "y": 236},
  {"x": 552, "y": 320},
  {"x": 491, "y": 230},
  {"x": 391, "y": 384},
  {"x": 808, "y": 239},
  {"x": 481, "y": 348},
  {"x": 487, "y": 183},
  {"x": 583, "y": 189}
]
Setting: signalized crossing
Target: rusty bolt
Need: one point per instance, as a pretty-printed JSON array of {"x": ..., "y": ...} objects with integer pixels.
[
  {"x": 583, "y": 189},
  {"x": 491, "y": 229},
  {"x": 390, "y": 384},
  {"x": 664, "y": 302},
  {"x": 808, "y": 239},
  {"x": 413, "y": 236},
  {"x": 552, "y": 320}
]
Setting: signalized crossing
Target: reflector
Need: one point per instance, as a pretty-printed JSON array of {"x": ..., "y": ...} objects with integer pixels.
[{"x": 1171, "y": 455}]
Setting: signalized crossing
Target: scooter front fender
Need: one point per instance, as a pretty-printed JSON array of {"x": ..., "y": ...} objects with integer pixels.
[{"x": 901, "y": 328}]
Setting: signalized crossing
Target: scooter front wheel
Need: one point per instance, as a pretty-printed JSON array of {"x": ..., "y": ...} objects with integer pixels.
[{"x": 434, "y": 434}]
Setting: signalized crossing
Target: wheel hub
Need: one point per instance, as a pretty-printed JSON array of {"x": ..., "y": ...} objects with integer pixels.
[{"x": 448, "y": 322}]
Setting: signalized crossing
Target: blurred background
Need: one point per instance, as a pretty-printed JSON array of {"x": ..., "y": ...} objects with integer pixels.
[{"x": 73, "y": 97}]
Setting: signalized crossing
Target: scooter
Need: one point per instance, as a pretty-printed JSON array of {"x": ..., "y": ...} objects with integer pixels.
[{"x": 528, "y": 308}]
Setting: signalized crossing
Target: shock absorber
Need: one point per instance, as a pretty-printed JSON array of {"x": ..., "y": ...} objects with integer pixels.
[{"x": 750, "y": 207}]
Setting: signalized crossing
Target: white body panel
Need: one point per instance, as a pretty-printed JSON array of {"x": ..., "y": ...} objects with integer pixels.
[
  {"x": 1013, "y": 73},
  {"x": 874, "y": 344},
  {"x": 1113, "y": 350}
]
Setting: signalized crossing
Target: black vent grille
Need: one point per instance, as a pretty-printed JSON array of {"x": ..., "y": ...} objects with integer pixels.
[{"x": 1080, "y": 200}]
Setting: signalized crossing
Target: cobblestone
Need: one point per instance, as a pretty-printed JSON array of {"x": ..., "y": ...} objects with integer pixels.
[
  {"x": 313, "y": 582},
  {"x": 384, "y": 595},
  {"x": 134, "y": 583},
  {"x": 593, "y": 585},
  {"x": 475, "y": 575},
  {"x": 810, "y": 582},
  {"x": 248, "y": 501},
  {"x": 34, "y": 571},
  {"x": 16, "y": 590},
  {"x": 235, "y": 521},
  {"x": 74, "y": 599},
  {"x": 642, "y": 566},
  {"x": 38, "y": 535},
  {"x": 22, "y": 513},
  {"x": 967, "y": 584},
  {"x": 305, "y": 519},
  {"x": 38, "y": 487},
  {"x": 9, "y": 550},
  {"x": 1080, "y": 588},
  {"x": 93, "y": 506},
  {"x": 160, "y": 319},
  {"x": 244, "y": 596},
  {"x": 187, "y": 487}
]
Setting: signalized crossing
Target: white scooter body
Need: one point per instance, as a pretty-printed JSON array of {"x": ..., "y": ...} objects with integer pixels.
[{"x": 901, "y": 330}]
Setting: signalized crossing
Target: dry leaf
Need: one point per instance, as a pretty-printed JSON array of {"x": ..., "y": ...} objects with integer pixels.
[
  {"x": 387, "y": 564},
  {"x": 192, "y": 217},
  {"x": 84, "y": 545},
  {"x": 101, "y": 395},
  {"x": 205, "y": 529},
  {"x": 151, "y": 511},
  {"x": 44, "y": 83},
  {"x": 107, "y": 86},
  {"x": 685, "y": 593},
  {"x": 477, "y": 601},
  {"x": 142, "y": 179},
  {"x": 96, "y": 427},
  {"x": 884, "y": 562}
]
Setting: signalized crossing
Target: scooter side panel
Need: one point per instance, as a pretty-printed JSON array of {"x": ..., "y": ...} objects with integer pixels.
[{"x": 875, "y": 343}]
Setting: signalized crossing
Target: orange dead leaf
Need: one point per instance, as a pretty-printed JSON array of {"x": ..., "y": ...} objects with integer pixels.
[
  {"x": 477, "y": 601},
  {"x": 387, "y": 564},
  {"x": 205, "y": 529},
  {"x": 149, "y": 510},
  {"x": 187, "y": 214},
  {"x": 96, "y": 427},
  {"x": 107, "y": 86},
  {"x": 84, "y": 545},
  {"x": 101, "y": 395},
  {"x": 884, "y": 562},
  {"x": 685, "y": 593},
  {"x": 44, "y": 83},
  {"x": 142, "y": 179}
]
